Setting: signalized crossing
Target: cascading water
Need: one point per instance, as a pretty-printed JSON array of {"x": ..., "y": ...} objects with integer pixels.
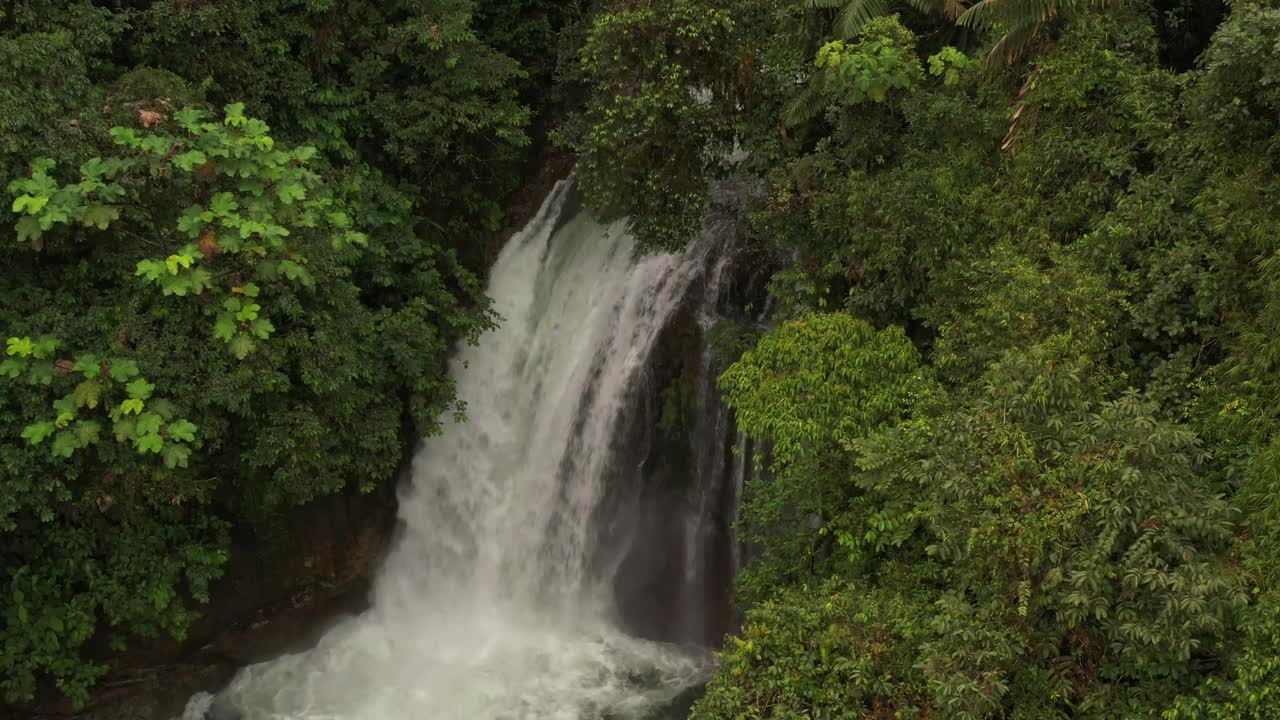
[{"x": 494, "y": 603}]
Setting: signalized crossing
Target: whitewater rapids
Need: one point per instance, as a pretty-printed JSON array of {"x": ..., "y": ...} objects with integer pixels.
[{"x": 492, "y": 604}]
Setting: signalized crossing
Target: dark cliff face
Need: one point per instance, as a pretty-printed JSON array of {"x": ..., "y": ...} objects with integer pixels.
[
  {"x": 281, "y": 588},
  {"x": 667, "y": 530}
]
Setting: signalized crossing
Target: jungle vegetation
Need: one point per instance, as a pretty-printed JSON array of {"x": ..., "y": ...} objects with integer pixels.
[{"x": 1020, "y": 392}]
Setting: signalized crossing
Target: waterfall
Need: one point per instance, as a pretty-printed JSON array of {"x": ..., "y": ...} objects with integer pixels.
[{"x": 496, "y": 601}]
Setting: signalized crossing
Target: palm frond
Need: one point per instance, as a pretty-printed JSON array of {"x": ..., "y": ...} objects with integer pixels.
[
  {"x": 858, "y": 13},
  {"x": 1015, "y": 43},
  {"x": 808, "y": 103},
  {"x": 949, "y": 9}
]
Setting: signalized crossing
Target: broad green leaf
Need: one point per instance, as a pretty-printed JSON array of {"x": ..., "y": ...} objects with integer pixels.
[
  {"x": 296, "y": 272},
  {"x": 176, "y": 262},
  {"x": 93, "y": 168},
  {"x": 65, "y": 444},
  {"x": 192, "y": 221},
  {"x": 88, "y": 365},
  {"x": 182, "y": 430},
  {"x": 67, "y": 410},
  {"x": 12, "y": 368},
  {"x": 140, "y": 389},
  {"x": 100, "y": 216},
  {"x": 87, "y": 432},
  {"x": 180, "y": 286},
  {"x": 189, "y": 118},
  {"x": 149, "y": 443},
  {"x": 125, "y": 429},
  {"x": 272, "y": 231},
  {"x": 262, "y": 328},
  {"x": 223, "y": 203},
  {"x": 248, "y": 312},
  {"x": 190, "y": 160},
  {"x": 87, "y": 394},
  {"x": 290, "y": 193},
  {"x": 150, "y": 269},
  {"x": 40, "y": 373},
  {"x": 44, "y": 348},
  {"x": 155, "y": 145},
  {"x": 162, "y": 407},
  {"x": 249, "y": 228},
  {"x": 38, "y": 432},
  {"x": 28, "y": 229},
  {"x": 149, "y": 423},
  {"x": 122, "y": 370},
  {"x": 31, "y": 205},
  {"x": 20, "y": 346},
  {"x": 127, "y": 137},
  {"x": 200, "y": 280},
  {"x": 132, "y": 407},
  {"x": 225, "y": 328},
  {"x": 234, "y": 115},
  {"x": 53, "y": 216},
  {"x": 241, "y": 346},
  {"x": 176, "y": 456}
]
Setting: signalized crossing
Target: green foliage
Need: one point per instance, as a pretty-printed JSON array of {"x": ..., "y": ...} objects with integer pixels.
[
  {"x": 1019, "y": 410},
  {"x": 729, "y": 339},
  {"x": 811, "y": 387},
  {"x": 822, "y": 380},
  {"x": 645, "y": 145},
  {"x": 1016, "y": 24},
  {"x": 872, "y": 68},
  {"x": 854, "y": 15},
  {"x": 211, "y": 317},
  {"x": 1251, "y": 690},
  {"x": 136, "y": 418},
  {"x": 841, "y": 652},
  {"x": 1019, "y": 407}
]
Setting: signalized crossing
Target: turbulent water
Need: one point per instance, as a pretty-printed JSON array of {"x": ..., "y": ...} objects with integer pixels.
[{"x": 494, "y": 603}]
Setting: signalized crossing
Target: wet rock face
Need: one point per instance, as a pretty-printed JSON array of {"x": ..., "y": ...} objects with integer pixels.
[
  {"x": 221, "y": 710},
  {"x": 277, "y": 593},
  {"x": 675, "y": 481}
]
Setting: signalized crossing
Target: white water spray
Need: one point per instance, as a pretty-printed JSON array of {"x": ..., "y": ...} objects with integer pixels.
[{"x": 487, "y": 607}]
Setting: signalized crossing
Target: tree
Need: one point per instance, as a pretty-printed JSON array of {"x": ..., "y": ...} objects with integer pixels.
[
  {"x": 810, "y": 388},
  {"x": 214, "y": 366},
  {"x": 660, "y": 113}
]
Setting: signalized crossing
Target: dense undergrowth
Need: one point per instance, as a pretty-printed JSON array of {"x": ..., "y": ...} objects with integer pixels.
[
  {"x": 1022, "y": 386},
  {"x": 244, "y": 236}
]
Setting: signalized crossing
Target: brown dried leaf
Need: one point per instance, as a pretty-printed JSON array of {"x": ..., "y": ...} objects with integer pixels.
[
  {"x": 206, "y": 173},
  {"x": 151, "y": 118},
  {"x": 208, "y": 244}
]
